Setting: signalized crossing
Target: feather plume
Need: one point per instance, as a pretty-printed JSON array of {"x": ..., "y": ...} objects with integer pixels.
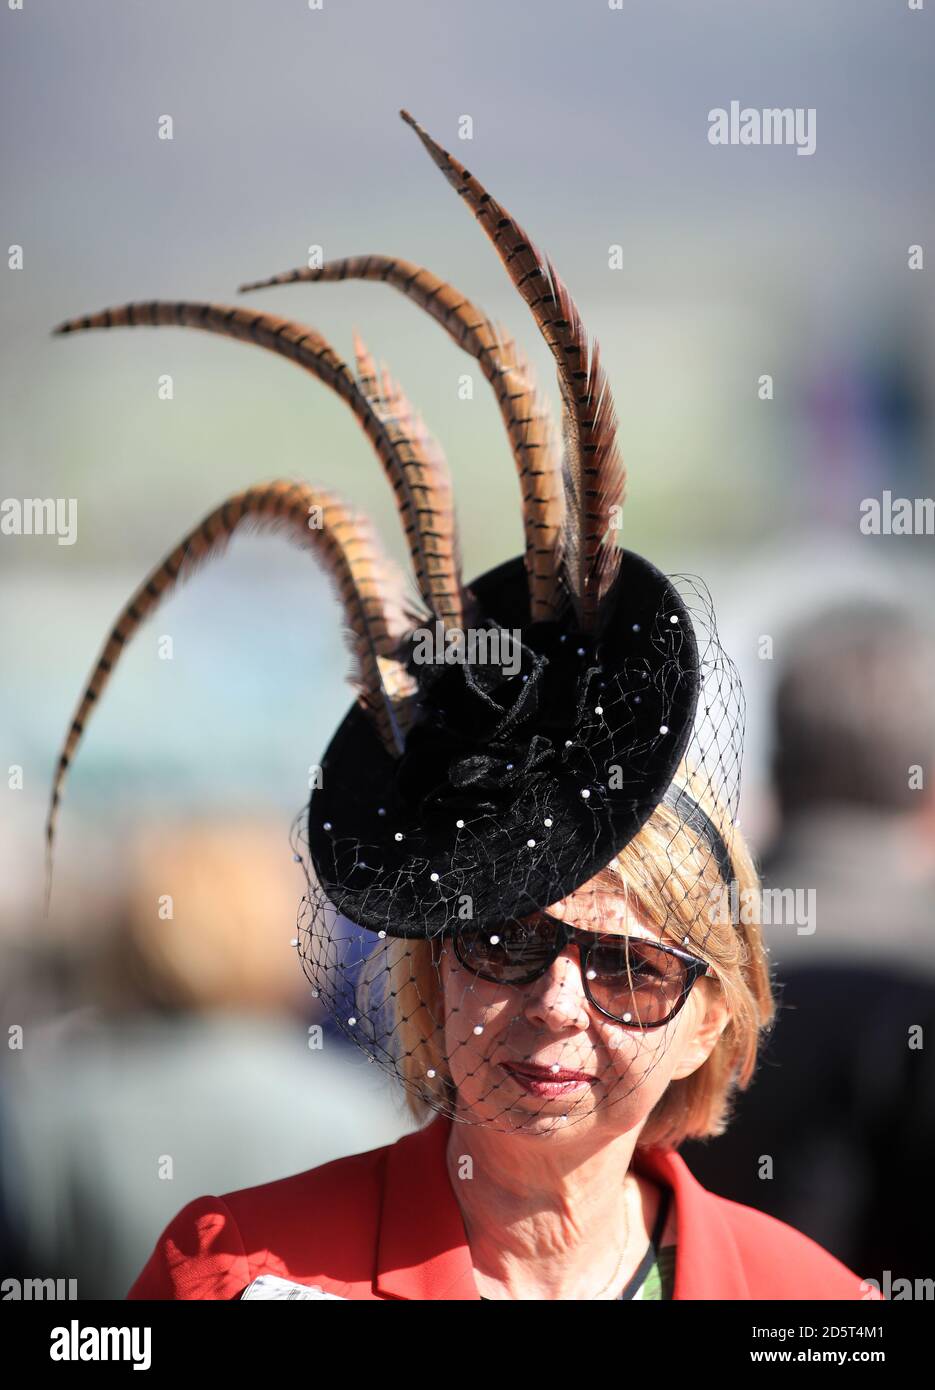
[
  {"x": 595, "y": 462},
  {"x": 425, "y": 508},
  {"x": 524, "y": 411},
  {"x": 370, "y": 590},
  {"x": 430, "y": 479}
]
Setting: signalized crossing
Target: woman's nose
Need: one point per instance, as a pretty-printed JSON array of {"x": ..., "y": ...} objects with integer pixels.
[{"x": 557, "y": 999}]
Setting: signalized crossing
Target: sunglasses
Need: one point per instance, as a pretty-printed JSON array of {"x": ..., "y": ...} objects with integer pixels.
[{"x": 634, "y": 981}]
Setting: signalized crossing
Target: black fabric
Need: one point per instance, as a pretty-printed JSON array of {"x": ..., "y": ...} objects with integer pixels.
[
  {"x": 692, "y": 814},
  {"x": 506, "y": 755}
]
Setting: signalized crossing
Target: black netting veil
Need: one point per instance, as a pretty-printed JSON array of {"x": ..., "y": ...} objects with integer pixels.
[{"x": 525, "y": 963}]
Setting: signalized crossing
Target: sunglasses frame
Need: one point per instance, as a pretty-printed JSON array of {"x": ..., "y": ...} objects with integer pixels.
[{"x": 585, "y": 942}]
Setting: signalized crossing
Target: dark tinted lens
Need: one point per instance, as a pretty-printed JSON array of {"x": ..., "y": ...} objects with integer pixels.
[
  {"x": 508, "y": 952},
  {"x": 634, "y": 980}
]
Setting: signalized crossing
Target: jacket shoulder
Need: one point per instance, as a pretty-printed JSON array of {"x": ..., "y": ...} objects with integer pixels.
[
  {"x": 781, "y": 1262},
  {"x": 317, "y": 1226}
]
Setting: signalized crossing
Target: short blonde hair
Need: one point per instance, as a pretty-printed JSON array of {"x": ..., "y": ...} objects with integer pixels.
[{"x": 673, "y": 880}]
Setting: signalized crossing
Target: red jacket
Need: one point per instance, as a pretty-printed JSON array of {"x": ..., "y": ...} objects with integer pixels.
[{"x": 386, "y": 1224}]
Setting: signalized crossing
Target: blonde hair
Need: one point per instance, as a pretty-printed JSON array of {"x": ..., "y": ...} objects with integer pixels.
[{"x": 673, "y": 880}]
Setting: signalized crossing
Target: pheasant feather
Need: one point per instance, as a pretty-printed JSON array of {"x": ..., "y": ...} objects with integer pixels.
[
  {"x": 368, "y": 586},
  {"x": 525, "y": 413},
  {"x": 594, "y": 460},
  {"x": 423, "y": 493}
]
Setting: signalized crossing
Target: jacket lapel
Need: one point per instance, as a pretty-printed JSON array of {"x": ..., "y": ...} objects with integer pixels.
[
  {"x": 707, "y": 1261},
  {"x": 422, "y": 1250}
]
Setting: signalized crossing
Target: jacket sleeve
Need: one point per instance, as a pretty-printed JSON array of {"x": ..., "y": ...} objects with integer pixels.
[
  {"x": 200, "y": 1255},
  {"x": 781, "y": 1262}
]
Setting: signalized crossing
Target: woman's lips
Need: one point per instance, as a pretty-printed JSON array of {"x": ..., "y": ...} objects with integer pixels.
[{"x": 543, "y": 1081}]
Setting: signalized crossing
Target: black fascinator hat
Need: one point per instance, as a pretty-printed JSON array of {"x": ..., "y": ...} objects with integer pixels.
[
  {"x": 510, "y": 735},
  {"x": 535, "y": 755}
]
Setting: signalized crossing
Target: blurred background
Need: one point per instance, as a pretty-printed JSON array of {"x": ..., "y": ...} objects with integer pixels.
[{"x": 149, "y": 1059}]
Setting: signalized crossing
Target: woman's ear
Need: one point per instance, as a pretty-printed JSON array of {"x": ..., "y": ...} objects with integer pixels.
[{"x": 706, "y": 1022}]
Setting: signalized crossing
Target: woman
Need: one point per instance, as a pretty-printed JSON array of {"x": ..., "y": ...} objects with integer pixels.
[
  {"x": 600, "y": 1209},
  {"x": 516, "y": 859}
]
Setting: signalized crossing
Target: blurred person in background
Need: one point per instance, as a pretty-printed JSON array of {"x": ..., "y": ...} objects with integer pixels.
[
  {"x": 840, "y": 1123},
  {"x": 193, "y": 1065}
]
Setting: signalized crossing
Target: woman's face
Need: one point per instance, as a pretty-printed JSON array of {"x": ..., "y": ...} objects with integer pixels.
[{"x": 498, "y": 1036}]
